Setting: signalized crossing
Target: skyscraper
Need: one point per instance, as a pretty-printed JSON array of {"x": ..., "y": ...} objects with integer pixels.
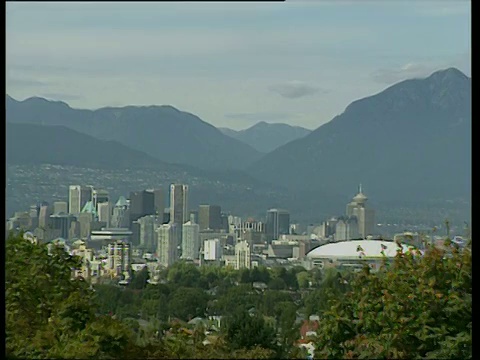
[
  {"x": 243, "y": 255},
  {"x": 210, "y": 217},
  {"x": 159, "y": 201},
  {"x": 142, "y": 203},
  {"x": 77, "y": 198},
  {"x": 167, "y": 240},
  {"x": 190, "y": 239},
  {"x": 178, "y": 204},
  {"x": 120, "y": 216},
  {"x": 60, "y": 207},
  {"x": 278, "y": 223},
  {"x": 148, "y": 224},
  {"x": 365, "y": 216},
  {"x": 99, "y": 197},
  {"x": 104, "y": 212}
]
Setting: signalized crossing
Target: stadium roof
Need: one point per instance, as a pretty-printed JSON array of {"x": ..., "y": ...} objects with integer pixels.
[{"x": 357, "y": 248}]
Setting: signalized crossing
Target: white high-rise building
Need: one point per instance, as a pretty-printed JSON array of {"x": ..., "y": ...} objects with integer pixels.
[
  {"x": 104, "y": 211},
  {"x": 243, "y": 255},
  {"x": 178, "y": 204},
  {"x": 212, "y": 250},
  {"x": 365, "y": 216},
  {"x": 167, "y": 239},
  {"x": 78, "y": 196},
  {"x": 190, "y": 239}
]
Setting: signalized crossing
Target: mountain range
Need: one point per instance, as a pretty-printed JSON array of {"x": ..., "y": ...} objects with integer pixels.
[
  {"x": 411, "y": 142},
  {"x": 266, "y": 137},
  {"x": 163, "y": 132}
]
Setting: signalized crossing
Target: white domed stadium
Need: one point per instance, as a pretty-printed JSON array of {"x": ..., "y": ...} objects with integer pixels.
[{"x": 354, "y": 253}]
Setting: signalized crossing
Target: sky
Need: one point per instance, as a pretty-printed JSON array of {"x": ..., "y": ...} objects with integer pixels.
[{"x": 233, "y": 64}]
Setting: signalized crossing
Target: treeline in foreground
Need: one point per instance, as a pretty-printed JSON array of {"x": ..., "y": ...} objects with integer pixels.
[{"x": 414, "y": 307}]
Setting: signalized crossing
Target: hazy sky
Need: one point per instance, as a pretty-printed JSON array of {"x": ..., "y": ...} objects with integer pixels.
[{"x": 232, "y": 64}]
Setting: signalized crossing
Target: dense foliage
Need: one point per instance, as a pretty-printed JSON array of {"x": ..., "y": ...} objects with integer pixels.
[
  {"x": 418, "y": 307},
  {"x": 414, "y": 307}
]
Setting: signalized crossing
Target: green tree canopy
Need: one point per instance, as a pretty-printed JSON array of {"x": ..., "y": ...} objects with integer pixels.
[{"x": 418, "y": 307}]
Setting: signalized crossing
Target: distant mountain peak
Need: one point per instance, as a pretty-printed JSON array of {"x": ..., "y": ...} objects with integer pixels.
[{"x": 449, "y": 73}]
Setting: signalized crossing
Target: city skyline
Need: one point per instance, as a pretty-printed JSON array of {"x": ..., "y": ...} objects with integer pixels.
[{"x": 291, "y": 62}]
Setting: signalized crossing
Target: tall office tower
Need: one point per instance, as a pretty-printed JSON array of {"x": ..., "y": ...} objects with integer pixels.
[
  {"x": 142, "y": 203},
  {"x": 44, "y": 216},
  {"x": 278, "y": 223},
  {"x": 210, "y": 217},
  {"x": 85, "y": 219},
  {"x": 34, "y": 211},
  {"x": 62, "y": 223},
  {"x": 60, "y": 207},
  {"x": 193, "y": 213},
  {"x": 119, "y": 257},
  {"x": 346, "y": 228},
  {"x": 178, "y": 204},
  {"x": 212, "y": 249},
  {"x": 147, "y": 236},
  {"x": 224, "y": 221},
  {"x": 99, "y": 197},
  {"x": 120, "y": 216},
  {"x": 365, "y": 216},
  {"x": 104, "y": 213},
  {"x": 242, "y": 255},
  {"x": 167, "y": 238},
  {"x": 159, "y": 201},
  {"x": 190, "y": 239},
  {"x": 77, "y": 198},
  {"x": 166, "y": 216}
]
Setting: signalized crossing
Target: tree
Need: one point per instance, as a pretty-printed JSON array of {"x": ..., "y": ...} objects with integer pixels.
[
  {"x": 187, "y": 303},
  {"x": 415, "y": 307},
  {"x": 139, "y": 279},
  {"x": 243, "y": 330}
]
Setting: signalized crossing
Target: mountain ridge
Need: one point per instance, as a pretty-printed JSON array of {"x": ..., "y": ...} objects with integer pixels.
[
  {"x": 164, "y": 132},
  {"x": 266, "y": 137},
  {"x": 410, "y": 125}
]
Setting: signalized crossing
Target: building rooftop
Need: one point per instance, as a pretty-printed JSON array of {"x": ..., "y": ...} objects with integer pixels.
[{"x": 356, "y": 248}]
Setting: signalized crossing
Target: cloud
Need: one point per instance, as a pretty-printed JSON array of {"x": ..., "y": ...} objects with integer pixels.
[
  {"x": 260, "y": 116},
  {"x": 294, "y": 89},
  {"x": 407, "y": 71},
  {"x": 450, "y": 8},
  {"x": 16, "y": 82}
]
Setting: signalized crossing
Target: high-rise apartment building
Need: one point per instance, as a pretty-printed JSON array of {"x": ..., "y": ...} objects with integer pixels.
[
  {"x": 78, "y": 196},
  {"x": 210, "y": 217},
  {"x": 178, "y": 204},
  {"x": 167, "y": 240},
  {"x": 365, "y": 216},
  {"x": 278, "y": 223},
  {"x": 119, "y": 257},
  {"x": 243, "y": 255},
  {"x": 190, "y": 240},
  {"x": 212, "y": 250},
  {"x": 142, "y": 203}
]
